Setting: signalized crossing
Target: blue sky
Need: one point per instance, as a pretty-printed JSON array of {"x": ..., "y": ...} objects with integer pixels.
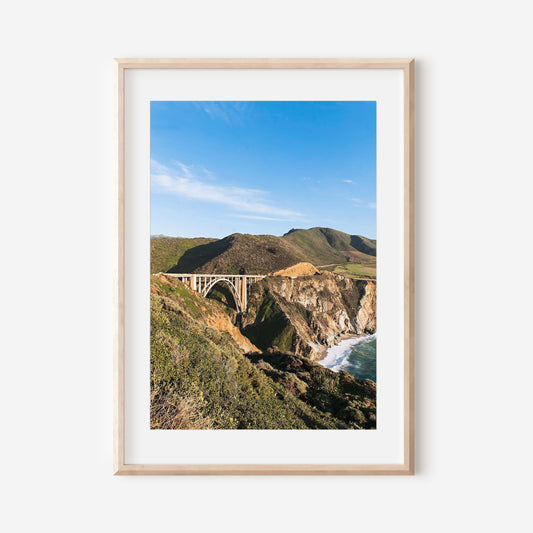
[{"x": 262, "y": 167}]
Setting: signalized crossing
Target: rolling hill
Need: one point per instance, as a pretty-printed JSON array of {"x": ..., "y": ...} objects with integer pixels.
[
  {"x": 326, "y": 248},
  {"x": 325, "y": 245}
]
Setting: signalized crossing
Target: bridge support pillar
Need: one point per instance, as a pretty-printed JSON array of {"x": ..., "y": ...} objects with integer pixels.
[
  {"x": 192, "y": 281},
  {"x": 243, "y": 294}
]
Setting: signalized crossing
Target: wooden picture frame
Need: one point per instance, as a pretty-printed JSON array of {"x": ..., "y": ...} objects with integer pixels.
[{"x": 120, "y": 466}]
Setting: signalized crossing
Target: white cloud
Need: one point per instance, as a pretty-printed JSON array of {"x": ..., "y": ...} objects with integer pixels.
[
  {"x": 255, "y": 217},
  {"x": 215, "y": 110},
  {"x": 310, "y": 180},
  {"x": 183, "y": 181},
  {"x": 185, "y": 169},
  {"x": 360, "y": 203},
  {"x": 347, "y": 181},
  {"x": 230, "y": 112}
]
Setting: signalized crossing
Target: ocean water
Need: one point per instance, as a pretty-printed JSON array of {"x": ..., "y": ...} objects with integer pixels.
[{"x": 357, "y": 356}]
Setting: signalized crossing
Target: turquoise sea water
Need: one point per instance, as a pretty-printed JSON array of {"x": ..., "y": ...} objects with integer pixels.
[
  {"x": 361, "y": 361},
  {"x": 357, "y": 356}
]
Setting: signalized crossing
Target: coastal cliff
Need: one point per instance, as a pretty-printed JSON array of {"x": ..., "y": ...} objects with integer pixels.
[
  {"x": 307, "y": 314},
  {"x": 204, "y": 374},
  {"x": 365, "y": 321}
]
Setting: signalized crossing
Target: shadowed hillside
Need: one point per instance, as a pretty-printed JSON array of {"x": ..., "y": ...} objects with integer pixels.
[
  {"x": 367, "y": 246},
  {"x": 239, "y": 254},
  {"x": 165, "y": 252}
]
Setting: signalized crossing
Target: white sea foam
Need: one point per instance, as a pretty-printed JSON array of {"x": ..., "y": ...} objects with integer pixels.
[{"x": 336, "y": 355}]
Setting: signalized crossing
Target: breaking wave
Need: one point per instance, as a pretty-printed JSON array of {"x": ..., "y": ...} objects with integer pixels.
[{"x": 353, "y": 356}]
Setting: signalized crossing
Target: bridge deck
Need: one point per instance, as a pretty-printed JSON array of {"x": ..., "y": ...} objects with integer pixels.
[
  {"x": 239, "y": 284},
  {"x": 214, "y": 275}
]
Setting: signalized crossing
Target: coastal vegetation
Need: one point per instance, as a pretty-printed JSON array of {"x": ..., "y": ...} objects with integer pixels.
[{"x": 206, "y": 375}]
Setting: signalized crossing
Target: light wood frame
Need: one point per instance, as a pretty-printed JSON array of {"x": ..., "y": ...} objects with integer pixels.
[{"x": 407, "y": 468}]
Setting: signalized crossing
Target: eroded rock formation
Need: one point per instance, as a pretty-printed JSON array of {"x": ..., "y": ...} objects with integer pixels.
[{"x": 305, "y": 315}]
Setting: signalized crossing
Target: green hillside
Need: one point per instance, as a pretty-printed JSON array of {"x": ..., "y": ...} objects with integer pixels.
[
  {"x": 323, "y": 246},
  {"x": 326, "y": 248},
  {"x": 165, "y": 252}
]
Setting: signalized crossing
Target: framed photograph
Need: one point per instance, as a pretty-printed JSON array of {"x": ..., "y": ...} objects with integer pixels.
[{"x": 264, "y": 267}]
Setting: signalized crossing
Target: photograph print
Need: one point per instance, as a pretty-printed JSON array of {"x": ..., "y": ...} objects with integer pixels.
[{"x": 263, "y": 265}]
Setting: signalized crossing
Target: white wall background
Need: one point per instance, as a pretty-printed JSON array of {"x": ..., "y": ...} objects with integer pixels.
[{"x": 474, "y": 258}]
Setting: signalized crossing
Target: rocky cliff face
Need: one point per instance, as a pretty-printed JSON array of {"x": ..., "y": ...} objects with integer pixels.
[
  {"x": 365, "y": 321},
  {"x": 307, "y": 314}
]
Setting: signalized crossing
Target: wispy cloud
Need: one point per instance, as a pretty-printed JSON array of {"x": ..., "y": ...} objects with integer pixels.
[
  {"x": 361, "y": 203},
  {"x": 183, "y": 180},
  {"x": 309, "y": 180},
  {"x": 185, "y": 169},
  {"x": 230, "y": 112},
  {"x": 215, "y": 111},
  {"x": 347, "y": 181},
  {"x": 255, "y": 217}
]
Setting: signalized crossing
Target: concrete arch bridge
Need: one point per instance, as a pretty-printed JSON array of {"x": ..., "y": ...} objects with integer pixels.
[{"x": 239, "y": 285}]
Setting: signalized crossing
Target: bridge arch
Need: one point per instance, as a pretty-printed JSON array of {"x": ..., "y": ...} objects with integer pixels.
[
  {"x": 232, "y": 288},
  {"x": 238, "y": 284}
]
